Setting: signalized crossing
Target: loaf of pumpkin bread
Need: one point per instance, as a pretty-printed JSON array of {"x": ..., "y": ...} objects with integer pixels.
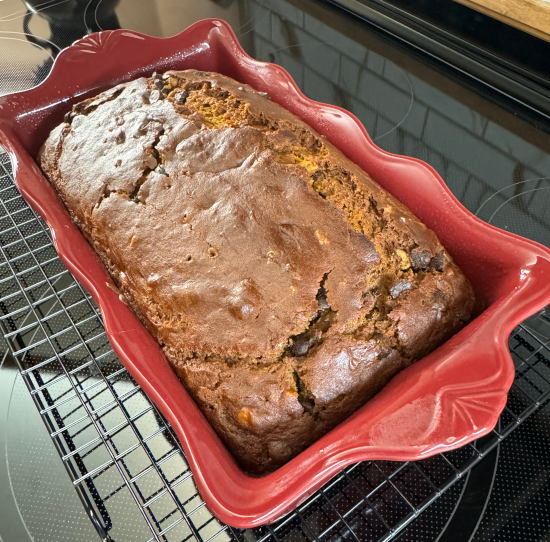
[{"x": 284, "y": 285}]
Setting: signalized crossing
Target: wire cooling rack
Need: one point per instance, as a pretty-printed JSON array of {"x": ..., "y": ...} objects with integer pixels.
[{"x": 123, "y": 458}]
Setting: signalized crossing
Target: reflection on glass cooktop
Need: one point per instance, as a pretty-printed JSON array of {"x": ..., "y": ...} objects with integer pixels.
[{"x": 496, "y": 164}]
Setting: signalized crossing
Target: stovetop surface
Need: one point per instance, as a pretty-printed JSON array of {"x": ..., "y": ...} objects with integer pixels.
[{"x": 495, "y": 162}]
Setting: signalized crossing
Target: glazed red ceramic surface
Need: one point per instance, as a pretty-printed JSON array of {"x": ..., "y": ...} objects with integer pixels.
[{"x": 449, "y": 398}]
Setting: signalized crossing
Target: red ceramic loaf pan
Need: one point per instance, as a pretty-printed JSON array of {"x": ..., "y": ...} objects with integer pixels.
[{"x": 451, "y": 397}]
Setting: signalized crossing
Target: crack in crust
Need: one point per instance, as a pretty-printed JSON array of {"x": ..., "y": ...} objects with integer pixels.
[{"x": 311, "y": 338}]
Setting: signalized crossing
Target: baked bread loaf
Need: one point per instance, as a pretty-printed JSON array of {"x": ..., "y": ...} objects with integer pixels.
[{"x": 284, "y": 285}]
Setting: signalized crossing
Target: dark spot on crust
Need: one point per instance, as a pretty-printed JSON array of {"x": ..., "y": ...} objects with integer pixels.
[
  {"x": 134, "y": 192},
  {"x": 420, "y": 259},
  {"x": 69, "y": 117},
  {"x": 319, "y": 175},
  {"x": 437, "y": 262},
  {"x": 301, "y": 345},
  {"x": 181, "y": 97}
]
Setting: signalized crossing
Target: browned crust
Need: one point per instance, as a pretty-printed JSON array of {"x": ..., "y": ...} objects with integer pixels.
[{"x": 390, "y": 299}]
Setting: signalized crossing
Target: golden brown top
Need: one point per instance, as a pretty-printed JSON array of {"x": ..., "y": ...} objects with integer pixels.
[{"x": 285, "y": 286}]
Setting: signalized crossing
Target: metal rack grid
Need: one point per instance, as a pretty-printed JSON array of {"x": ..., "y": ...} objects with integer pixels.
[{"x": 124, "y": 460}]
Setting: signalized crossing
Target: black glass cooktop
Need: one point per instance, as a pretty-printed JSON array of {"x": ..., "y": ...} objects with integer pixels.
[{"x": 494, "y": 155}]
